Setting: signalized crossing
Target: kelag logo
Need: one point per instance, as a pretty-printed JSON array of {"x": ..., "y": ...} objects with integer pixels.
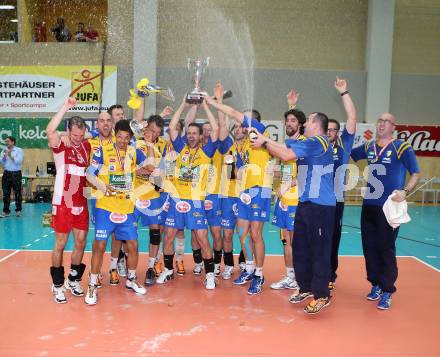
[{"x": 86, "y": 87}]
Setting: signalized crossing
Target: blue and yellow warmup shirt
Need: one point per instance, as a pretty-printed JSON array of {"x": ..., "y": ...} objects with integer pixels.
[
  {"x": 107, "y": 167},
  {"x": 341, "y": 155},
  {"x": 254, "y": 162},
  {"x": 192, "y": 168},
  {"x": 289, "y": 170},
  {"x": 315, "y": 170},
  {"x": 95, "y": 143},
  {"x": 386, "y": 170}
]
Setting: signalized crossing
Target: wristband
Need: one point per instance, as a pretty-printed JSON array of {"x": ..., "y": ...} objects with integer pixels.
[
  {"x": 344, "y": 93},
  {"x": 406, "y": 190}
]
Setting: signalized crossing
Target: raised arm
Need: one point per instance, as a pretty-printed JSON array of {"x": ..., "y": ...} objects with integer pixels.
[
  {"x": 190, "y": 116},
  {"x": 53, "y": 136},
  {"x": 223, "y": 123},
  {"x": 212, "y": 122},
  {"x": 229, "y": 111},
  {"x": 350, "y": 110},
  {"x": 140, "y": 112},
  {"x": 175, "y": 120}
]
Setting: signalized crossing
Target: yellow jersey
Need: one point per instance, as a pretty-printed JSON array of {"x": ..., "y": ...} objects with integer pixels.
[
  {"x": 191, "y": 169},
  {"x": 254, "y": 165},
  {"x": 144, "y": 189},
  {"x": 117, "y": 170},
  {"x": 289, "y": 170},
  {"x": 214, "y": 176}
]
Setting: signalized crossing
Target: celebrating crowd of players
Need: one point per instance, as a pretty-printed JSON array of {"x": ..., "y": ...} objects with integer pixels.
[{"x": 203, "y": 178}]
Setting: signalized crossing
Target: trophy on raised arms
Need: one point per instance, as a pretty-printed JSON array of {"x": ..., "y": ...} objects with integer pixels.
[{"x": 197, "y": 69}]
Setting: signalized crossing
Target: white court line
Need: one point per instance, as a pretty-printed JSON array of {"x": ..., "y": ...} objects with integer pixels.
[
  {"x": 9, "y": 255},
  {"x": 428, "y": 265}
]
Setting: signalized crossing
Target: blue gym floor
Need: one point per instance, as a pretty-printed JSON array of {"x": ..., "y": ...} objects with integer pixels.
[{"x": 419, "y": 238}]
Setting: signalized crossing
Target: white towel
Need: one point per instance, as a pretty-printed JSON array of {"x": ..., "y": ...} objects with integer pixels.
[{"x": 396, "y": 213}]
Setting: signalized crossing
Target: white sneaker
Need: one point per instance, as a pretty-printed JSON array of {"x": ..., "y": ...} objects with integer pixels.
[
  {"x": 198, "y": 268},
  {"x": 58, "y": 294},
  {"x": 134, "y": 285},
  {"x": 210, "y": 281},
  {"x": 122, "y": 267},
  {"x": 91, "y": 295},
  {"x": 242, "y": 266},
  {"x": 217, "y": 271},
  {"x": 165, "y": 276},
  {"x": 227, "y": 272},
  {"x": 285, "y": 283},
  {"x": 74, "y": 287}
]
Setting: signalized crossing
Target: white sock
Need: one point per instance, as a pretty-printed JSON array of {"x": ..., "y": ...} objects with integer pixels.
[
  {"x": 250, "y": 266},
  {"x": 290, "y": 272},
  {"x": 259, "y": 271},
  {"x": 151, "y": 262},
  {"x": 131, "y": 274},
  {"x": 113, "y": 263},
  {"x": 93, "y": 279}
]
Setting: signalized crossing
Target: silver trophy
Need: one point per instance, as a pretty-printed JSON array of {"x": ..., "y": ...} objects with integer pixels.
[
  {"x": 138, "y": 127},
  {"x": 197, "y": 69}
]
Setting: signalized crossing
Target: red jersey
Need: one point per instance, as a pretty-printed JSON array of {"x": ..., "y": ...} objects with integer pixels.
[{"x": 70, "y": 182}]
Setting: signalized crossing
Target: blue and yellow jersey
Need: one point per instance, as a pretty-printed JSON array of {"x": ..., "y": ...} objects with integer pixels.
[
  {"x": 117, "y": 170},
  {"x": 288, "y": 171},
  {"x": 95, "y": 143},
  {"x": 254, "y": 163},
  {"x": 315, "y": 169},
  {"x": 214, "y": 176},
  {"x": 387, "y": 167},
  {"x": 191, "y": 169},
  {"x": 144, "y": 189}
]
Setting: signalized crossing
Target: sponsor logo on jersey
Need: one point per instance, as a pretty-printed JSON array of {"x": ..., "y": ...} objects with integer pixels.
[
  {"x": 282, "y": 206},
  {"x": 143, "y": 204},
  {"x": 245, "y": 198},
  {"x": 118, "y": 218},
  {"x": 208, "y": 205},
  {"x": 183, "y": 207}
]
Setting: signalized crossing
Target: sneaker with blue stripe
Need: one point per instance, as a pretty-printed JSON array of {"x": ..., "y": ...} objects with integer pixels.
[
  {"x": 244, "y": 278},
  {"x": 384, "y": 302},
  {"x": 375, "y": 293},
  {"x": 256, "y": 285}
]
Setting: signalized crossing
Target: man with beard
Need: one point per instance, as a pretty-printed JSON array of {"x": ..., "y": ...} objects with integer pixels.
[{"x": 287, "y": 193}]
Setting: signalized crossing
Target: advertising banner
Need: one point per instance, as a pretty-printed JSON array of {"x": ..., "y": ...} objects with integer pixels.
[
  {"x": 40, "y": 89},
  {"x": 424, "y": 139}
]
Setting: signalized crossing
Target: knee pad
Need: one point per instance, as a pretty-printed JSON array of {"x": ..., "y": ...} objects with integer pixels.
[{"x": 155, "y": 236}]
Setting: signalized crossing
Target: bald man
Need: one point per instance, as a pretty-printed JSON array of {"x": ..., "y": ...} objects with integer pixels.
[{"x": 388, "y": 161}]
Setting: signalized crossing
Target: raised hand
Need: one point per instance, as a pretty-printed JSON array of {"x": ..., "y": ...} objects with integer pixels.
[
  {"x": 166, "y": 112},
  {"x": 219, "y": 90},
  {"x": 292, "y": 97},
  {"x": 340, "y": 84},
  {"x": 69, "y": 103}
]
